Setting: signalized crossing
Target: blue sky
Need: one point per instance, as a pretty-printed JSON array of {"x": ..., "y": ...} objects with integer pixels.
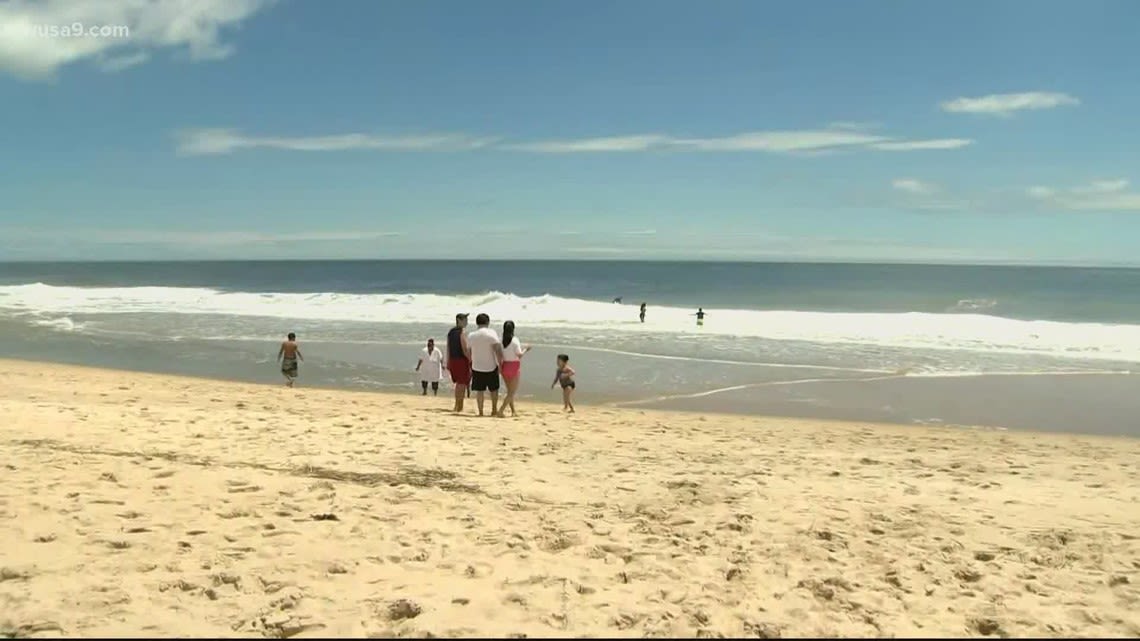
[{"x": 808, "y": 130}]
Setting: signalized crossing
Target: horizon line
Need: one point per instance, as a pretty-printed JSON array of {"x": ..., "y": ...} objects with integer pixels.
[{"x": 739, "y": 261}]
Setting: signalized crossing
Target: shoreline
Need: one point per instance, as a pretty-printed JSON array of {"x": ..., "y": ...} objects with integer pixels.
[
  {"x": 150, "y": 504},
  {"x": 694, "y": 403},
  {"x": 636, "y": 406}
]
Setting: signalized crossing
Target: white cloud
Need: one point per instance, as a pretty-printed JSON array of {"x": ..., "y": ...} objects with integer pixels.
[
  {"x": 927, "y": 196},
  {"x": 919, "y": 145},
  {"x": 806, "y": 142},
  {"x": 913, "y": 186},
  {"x": 224, "y": 141},
  {"x": 196, "y": 238},
  {"x": 806, "y": 248},
  {"x": 601, "y": 250},
  {"x": 780, "y": 141},
  {"x": 613, "y": 143},
  {"x": 677, "y": 244},
  {"x": 1098, "y": 195},
  {"x": 1113, "y": 202},
  {"x": 769, "y": 141},
  {"x": 1103, "y": 186},
  {"x": 848, "y": 125},
  {"x": 1005, "y": 104},
  {"x": 31, "y": 48},
  {"x": 944, "y": 204},
  {"x": 243, "y": 238},
  {"x": 119, "y": 63}
]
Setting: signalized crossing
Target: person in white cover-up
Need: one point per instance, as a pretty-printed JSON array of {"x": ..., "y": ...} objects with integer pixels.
[{"x": 430, "y": 367}]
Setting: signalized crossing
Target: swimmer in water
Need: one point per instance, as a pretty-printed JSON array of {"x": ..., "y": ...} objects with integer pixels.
[{"x": 700, "y": 317}]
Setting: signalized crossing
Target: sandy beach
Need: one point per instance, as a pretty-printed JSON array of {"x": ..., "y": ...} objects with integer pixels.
[{"x": 137, "y": 504}]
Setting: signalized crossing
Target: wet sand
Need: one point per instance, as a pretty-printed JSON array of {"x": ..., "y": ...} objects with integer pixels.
[
  {"x": 1107, "y": 404},
  {"x": 139, "y": 504}
]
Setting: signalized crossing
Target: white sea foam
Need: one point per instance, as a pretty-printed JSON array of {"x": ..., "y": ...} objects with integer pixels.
[
  {"x": 61, "y": 324},
  {"x": 956, "y": 331},
  {"x": 974, "y": 304}
]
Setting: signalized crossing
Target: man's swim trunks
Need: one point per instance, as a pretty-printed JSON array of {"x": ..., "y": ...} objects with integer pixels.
[{"x": 289, "y": 366}]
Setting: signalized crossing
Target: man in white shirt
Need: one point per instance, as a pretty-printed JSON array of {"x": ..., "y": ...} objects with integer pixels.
[
  {"x": 430, "y": 367},
  {"x": 486, "y": 354}
]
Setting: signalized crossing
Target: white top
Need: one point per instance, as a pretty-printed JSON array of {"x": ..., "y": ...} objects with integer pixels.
[
  {"x": 514, "y": 351},
  {"x": 431, "y": 365},
  {"x": 482, "y": 343}
]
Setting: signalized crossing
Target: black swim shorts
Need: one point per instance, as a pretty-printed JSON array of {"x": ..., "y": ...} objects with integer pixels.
[{"x": 485, "y": 381}]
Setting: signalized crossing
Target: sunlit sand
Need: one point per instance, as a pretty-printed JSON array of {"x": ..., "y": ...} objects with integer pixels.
[{"x": 138, "y": 504}]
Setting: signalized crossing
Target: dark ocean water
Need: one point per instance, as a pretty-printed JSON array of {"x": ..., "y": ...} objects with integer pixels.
[
  {"x": 1109, "y": 295},
  {"x": 362, "y": 322}
]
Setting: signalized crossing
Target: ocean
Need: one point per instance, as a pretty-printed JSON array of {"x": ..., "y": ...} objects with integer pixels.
[{"x": 856, "y": 341}]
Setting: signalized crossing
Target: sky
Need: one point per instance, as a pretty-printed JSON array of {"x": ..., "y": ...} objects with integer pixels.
[{"x": 881, "y": 130}]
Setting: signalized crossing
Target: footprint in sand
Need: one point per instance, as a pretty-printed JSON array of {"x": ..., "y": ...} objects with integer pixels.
[
  {"x": 244, "y": 489},
  {"x": 478, "y": 570},
  {"x": 235, "y": 513},
  {"x": 402, "y": 609},
  {"x": 14, "y": 574},
  {"x": 986, "y": 627},
  {"x": 12, "y": 631},
  {"x": 225, "y": 578}
]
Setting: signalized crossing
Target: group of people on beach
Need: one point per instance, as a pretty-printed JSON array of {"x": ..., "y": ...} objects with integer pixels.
[
  {"x": 477, "y": 360},
  {"x": 474, "y": 360}
]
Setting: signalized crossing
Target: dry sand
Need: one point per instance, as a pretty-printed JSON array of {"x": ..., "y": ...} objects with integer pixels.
[{"x": 137, "y": 505}]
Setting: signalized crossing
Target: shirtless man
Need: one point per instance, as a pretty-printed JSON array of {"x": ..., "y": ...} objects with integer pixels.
[{"x": 289, "y": 354}]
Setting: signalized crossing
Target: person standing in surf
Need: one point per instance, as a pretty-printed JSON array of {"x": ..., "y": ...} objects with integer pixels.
[
  {"x": 430, "y": 367},
  {"x": 700, "y": 317},
  {"x": 513, "y": 351},
  {"x": 641, "y": 313},
  {"x": 289, "y": 354},
  {"x": 458, "y": 360}
]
